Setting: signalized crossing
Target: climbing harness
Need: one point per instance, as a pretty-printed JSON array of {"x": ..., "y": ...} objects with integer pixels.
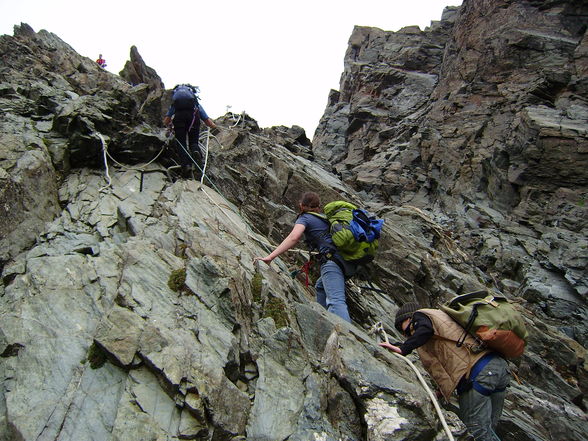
[
  {"x": 305, "y": 269},
  {"x": 481, "y": 364},
  {"x": 381, "y": 336}
]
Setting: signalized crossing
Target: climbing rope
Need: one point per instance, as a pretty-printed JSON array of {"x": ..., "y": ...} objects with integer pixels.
[
  {"x": 380, "y": 332},
  {"x": 125, "y": 167},
  {"x": 104, "y": 153},
  {"x": 198, "y": 166},
  {"x": 201, "y": 188},
  {"x": 208, "y": 135},
  {"x": 241, "y": 116},
  {"x": 205, "y": 156}
]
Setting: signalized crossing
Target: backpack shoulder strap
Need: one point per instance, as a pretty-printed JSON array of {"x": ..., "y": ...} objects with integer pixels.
[{"x": 319, "y": 215}]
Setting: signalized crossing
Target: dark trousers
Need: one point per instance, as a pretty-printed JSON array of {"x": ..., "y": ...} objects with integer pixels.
[{"x": 186, "y": 130}]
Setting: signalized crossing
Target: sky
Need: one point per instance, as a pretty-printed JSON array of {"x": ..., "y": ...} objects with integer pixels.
[{"x": 276, "y": 60}]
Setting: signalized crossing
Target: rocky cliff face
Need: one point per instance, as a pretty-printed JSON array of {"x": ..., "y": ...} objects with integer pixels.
[
  {"x": 482, "y": 119},
  {"x": 130, "y": 305}
]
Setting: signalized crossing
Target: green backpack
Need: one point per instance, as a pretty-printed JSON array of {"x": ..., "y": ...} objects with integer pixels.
[
  {"x": 491, "y": 319},
  {"x": 354, "y": 231}
]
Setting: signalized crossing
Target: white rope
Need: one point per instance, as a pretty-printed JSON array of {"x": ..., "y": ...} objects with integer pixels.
[
  {"x": 264, "y": 244},
  {"x": 197, "y": 166},
  {"x": 238, "y": 119},
  {"x": 143, "y": 168},
  {"x": 205, "y": 156},
  {"x": 222, "y": 209},
  {"x": 107, "y": 155},
  {"x": 379, "y": 329},
  {"x": 104, "y": 153}
]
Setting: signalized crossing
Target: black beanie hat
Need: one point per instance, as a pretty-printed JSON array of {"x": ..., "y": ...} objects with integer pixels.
[{"x": 404, "y": 312}]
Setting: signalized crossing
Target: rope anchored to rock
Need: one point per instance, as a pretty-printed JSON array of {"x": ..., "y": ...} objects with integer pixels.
[
  {"x": 381, "y": 336},
  {"x": 106, "y": 155},
  {"x": 203, "y": 168}
]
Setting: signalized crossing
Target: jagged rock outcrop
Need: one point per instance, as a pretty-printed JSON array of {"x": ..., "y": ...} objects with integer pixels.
[
  {"x": 136, "y": 72},
  {"x": 130, "y": 305},
  {"x": 483, "y": 120}
]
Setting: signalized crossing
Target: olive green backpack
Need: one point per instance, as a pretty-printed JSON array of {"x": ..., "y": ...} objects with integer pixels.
[
  {"x": 354, "y": 231},
  {"x": 491, "y": 319}
]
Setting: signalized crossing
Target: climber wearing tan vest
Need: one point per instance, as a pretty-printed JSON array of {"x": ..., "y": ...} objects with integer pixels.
[{"x": 480, "y": 378}]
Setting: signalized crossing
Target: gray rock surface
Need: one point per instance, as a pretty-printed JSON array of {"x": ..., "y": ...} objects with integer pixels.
[{"x": 130, "y": 306}]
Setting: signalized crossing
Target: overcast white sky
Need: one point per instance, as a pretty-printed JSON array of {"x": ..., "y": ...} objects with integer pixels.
[{"x": 276, "y": 60}]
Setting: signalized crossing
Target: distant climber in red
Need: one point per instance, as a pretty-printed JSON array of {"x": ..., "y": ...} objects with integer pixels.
[{"x": 101, "y": 61}]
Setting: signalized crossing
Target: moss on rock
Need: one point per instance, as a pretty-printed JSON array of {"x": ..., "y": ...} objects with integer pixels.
[
  {"x": 96, "y": 356},
  {"x": 177, "y": 280},
  {"x": 256, "y": 285},
  {"x": 276, "y": 309}
]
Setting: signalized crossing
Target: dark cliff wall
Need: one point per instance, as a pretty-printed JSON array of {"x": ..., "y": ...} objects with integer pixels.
[{"x": 481, "y": 121}]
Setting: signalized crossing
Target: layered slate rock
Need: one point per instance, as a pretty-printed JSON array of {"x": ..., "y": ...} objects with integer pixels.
[{"x": 131, "y": 309}]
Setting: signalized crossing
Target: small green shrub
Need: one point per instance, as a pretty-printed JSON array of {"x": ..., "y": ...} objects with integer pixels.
[
  {"x": 276, "y": 309},
  {"x": 256, "y": 285},
  {"x": 182, "y": 251},
  {"x": 177, "y": 280},
  {"x": 96, "y": 356}
]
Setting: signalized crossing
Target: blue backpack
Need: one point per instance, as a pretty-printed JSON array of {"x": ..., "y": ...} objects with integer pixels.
[
  {"x": 364, "y": 227},
  {"x": 184, "y": 97}
]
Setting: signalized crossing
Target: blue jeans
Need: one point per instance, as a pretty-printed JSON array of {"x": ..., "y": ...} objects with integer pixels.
[
  {"x": 479, "y": 412},
  {"x": 330, "y": 290}
]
